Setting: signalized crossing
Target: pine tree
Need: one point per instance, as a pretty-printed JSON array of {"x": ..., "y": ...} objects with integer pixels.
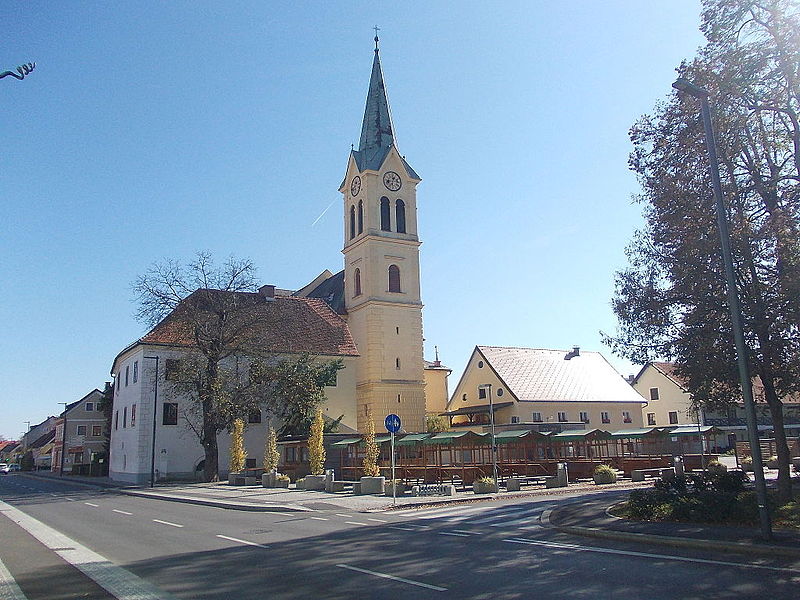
[
  {"x": 271, "y": 455},
  {"x": 237, "y": 447},
  {"x": 316, "y": 447},
  {"x": 372, "y": 451}
]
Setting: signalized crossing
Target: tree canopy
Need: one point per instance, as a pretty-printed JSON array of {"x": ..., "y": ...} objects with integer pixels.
[{"x": 670, "y": 301}]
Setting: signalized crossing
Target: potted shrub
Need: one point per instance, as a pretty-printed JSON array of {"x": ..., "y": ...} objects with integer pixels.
[
  {"x": 484, "y": 485},
  {"x": 772, "y": 462},
  {"x": 281, "y": 481},
  {"x": 604, "y": 474},
  {"x": 714, "y": 467},
  {"x": 747, "y": 464}
]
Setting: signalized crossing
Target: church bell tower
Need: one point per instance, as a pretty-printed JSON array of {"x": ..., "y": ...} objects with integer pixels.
[{"x": 381, "y": 269}]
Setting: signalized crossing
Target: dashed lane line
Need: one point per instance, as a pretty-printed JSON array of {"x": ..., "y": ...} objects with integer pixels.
[
  {"x": 246, "y": 542},
  {"x": 9, "y": 590},
  {"x": 166, "y": 523},
  {"x": 427, "y": 586},
  {"x": 404, "y": 528},
  {"x": 90, "y": 504},
  {"x": 319, "y": 518},
  {"x": 562, "y": 546},
  {"x": 354, "y": 523},
  {"x": 454, "y": 534},
  {"x": 378, "y": 520},
  {"x": 117, "y": 581},
  {"x": 122, "y": 512}
]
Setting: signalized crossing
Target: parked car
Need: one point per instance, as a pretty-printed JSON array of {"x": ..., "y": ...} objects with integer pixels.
[
  {"x": 4, "y": 468},
  {"x": 14, "y": 467}
]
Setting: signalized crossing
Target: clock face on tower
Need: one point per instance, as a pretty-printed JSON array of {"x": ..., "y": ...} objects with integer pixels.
[
  {"x": 355, "y": 186},
  {"x": 392, "y": 181}
]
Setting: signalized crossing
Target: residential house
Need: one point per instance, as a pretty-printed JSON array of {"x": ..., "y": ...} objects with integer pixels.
[
  {"x": 85, "y": 437},
  {"x": 544, "y": 390},
  {"x": 37, "y": 440}
]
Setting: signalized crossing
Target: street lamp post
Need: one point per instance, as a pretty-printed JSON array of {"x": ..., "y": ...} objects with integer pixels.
[
  {"x": 153, "y": 440},
  {"x": 63, "y": 439},
  {"x": 488, "y": 388},
  {"x": 701, "y": 94}
]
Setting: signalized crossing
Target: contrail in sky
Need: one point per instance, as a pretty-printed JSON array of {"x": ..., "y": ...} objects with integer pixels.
[{"x": 323, "y": 212}]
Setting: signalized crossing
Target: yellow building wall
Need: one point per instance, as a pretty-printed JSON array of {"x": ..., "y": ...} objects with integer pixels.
[{"x": 670, "y": 398}]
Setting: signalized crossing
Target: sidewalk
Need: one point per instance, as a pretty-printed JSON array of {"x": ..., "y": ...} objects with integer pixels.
[
  {"x": 591, "y": 519},
  {"x": 259, "y": 499}
]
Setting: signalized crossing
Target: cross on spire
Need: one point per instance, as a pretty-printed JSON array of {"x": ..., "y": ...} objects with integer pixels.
[{"x": 377, "y": 29}]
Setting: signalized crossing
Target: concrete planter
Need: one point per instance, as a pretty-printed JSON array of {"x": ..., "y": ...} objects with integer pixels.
[
  {"x": 281, "y": 482},
  {"x": 315, "y": 482},
  {"x": 484, "y": 487},
  {"x": 372, "y": 485},
  {"x": 513, "y": 484},
  {"x": 237, "y": 479},
  {"x": 400, "y": 488},
  {"x": 268, "y": 479}
]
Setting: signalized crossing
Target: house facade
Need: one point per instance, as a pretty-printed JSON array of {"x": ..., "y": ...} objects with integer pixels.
[
  {"x": 81, "y": 428},
  {"x": 544, "y": 390}
]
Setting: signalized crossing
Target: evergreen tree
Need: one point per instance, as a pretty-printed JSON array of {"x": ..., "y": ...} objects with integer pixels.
[
  {"x": 271, "y": 455},
  {"x": 237, "y": 451},
  {"x": 372, "y": 451},
  {"x": 316, "y": 447}
]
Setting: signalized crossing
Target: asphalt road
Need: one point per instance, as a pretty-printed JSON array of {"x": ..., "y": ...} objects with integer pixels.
[{"x": 480, "y": 550}]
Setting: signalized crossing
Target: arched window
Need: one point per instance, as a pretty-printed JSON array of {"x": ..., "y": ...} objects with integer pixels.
[
  {"x": 394, "y": 278},
  {"x": 386, "y": 215},
  {"x": 352, "y": 222},
  {"x": 357, "y": 282},
  {"x": 360, "y": 217},
  {"x": 400, "y": 216}
]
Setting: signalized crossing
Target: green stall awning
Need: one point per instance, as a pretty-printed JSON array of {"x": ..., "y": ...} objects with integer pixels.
[
  {"x": 412, "y": 439},
  {"x": 457, "y": 437},
  {"x": 346, "y": 442},
  {"x": 573, "y": 435}
]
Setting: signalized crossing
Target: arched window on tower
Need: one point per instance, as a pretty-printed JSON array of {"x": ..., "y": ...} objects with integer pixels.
[
  {"x": 394, "y": 278},
  {"x": 386, "y": 215},
  {"x": 357, "y": 282},
  {"x": 352, "y": 222},
  {"x": 400, "y": 216},
  {"x": 360, "y": 217}
]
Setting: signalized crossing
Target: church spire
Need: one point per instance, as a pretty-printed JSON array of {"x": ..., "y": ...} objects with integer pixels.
[{"x": 377, "y": 132}]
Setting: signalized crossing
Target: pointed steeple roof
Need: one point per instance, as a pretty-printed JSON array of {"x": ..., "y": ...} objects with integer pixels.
[{"x": 377, "y": 131}]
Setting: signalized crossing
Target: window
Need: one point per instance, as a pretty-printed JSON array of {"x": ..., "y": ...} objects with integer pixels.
[
  {"x": 673, "y": 417},
  {"x": 464, "y": 398},
  {"x": 604, "y": 418},
  {"x": 482, "y": 393},
  {"x": 584, "y": 416},
  {"x": 357, "y": 282},
  {"x": 172, "y": 367},
  {"x": 118, "y": 379},
  {"x": 651, "y": 419},
  {"x": 400, "y": 216},
  {"x": 515, "y": 419},
  {"x": 394, "y": 278},
  {"x": 480, "y": 364},
  {"x": 133, "y": 415},
  {"x": 626, "y": 417},
  {"x": 352, "y": 222},
  {"x": 360, "y": 217},
  {"x": 116, "y": 420},
  {"x": 124, "y": 417},
  {"x": 127, "y": 372},
  {"x": 170, "y": 414},
  {"x": 653, "y": 394},
  {"x": 81, "y": 429},
  {"x": 562, "y": 417},
  {"x": 97, "y": 430},
  {"x": 499, "y": 392},
  {"x": 537, "y": 417},
  {"x": 397, "y": 363},
  {"x": 135, "y": 371},
  {"x": 254, "y": 416},
  {"x": 386, "y": 224},
  {"x": 89, "y": 407}
]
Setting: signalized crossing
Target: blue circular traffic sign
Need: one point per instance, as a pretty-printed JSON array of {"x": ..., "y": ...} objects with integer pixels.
[{"x": 392, "y": 423}]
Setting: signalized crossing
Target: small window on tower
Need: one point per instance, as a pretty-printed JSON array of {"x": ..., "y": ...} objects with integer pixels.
[
  {"x": 386, "y": 215},
  {"x": 394, "y": 278},
  {"x": 360, "y": 217},
  {"x": 400, "y": 216},
  {"x": 357, "y": 282},
  {"x": 397, "y": 363},
  {"x": 352, "y": 222}
]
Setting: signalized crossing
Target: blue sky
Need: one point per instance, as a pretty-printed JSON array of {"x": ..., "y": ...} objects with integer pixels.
[{"x": 157, "y": 129}]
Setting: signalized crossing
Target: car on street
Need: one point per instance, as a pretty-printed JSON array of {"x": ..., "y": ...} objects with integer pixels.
[{"x": 4, "y": 468}]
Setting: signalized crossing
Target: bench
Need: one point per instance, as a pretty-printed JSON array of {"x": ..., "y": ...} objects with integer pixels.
[{"x": 641, "y": 474}]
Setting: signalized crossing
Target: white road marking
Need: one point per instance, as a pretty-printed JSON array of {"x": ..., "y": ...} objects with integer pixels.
[
  {"x": 122, "y": 512},
  {"x": 90, "y": 504},
  {"x": 392, "y": 577},
  {"x": 340, "y": 515},
  {"x": 405, "y": 528},
  {"x": 705, "y": 561},
  {"x": 118, "y": 582},
  {"x": 354, "y": 523},
  {"x": 464, "y": 531},
  {"x": 319, "y": 518},
  {"x": 70, "y": 499},
  {"x": 9, "y": 590},
  {"x": 248, "y": 543},
  {"x": 166, "y": 523},
  {"x": 454, "y": 534},
  {"x": 378, "y": 520}
]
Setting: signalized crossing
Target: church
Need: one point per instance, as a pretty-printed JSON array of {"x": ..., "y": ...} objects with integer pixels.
[{"x": 369, "y": 315}]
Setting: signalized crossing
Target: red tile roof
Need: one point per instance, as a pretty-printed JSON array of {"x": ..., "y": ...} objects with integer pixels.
[{"x": 280, "y": 325}]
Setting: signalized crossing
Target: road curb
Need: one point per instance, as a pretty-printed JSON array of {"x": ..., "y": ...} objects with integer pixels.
[
  {"x": 218, "y": 503},
  {"x": 676, "y": 542}
]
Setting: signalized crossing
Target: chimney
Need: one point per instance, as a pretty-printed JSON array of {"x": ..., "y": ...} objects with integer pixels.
[
  {"x": 576, "y": 351},
  {"x": 267, "y": 291},
  {"x": 437, "y": 362}
]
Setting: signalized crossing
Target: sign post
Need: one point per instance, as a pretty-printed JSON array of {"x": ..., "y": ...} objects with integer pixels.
[{"x": 392, "y": 423}]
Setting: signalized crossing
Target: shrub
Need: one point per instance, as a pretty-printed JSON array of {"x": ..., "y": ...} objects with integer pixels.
[
  {"x": 316, "y": 447},
  {"x": 747, "y": 464},
  {"x": 372, "y": 452},
  {"x": 772, "y": 462},
  {"x": 484, "y": 485},
  {"x": 604, "y": 474},
  {"x": 282, "y": 477},
  {"x": 237, "y": 451},
  {"x": 714, "y": 467},
  {"x": 271, "y": 454}
]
